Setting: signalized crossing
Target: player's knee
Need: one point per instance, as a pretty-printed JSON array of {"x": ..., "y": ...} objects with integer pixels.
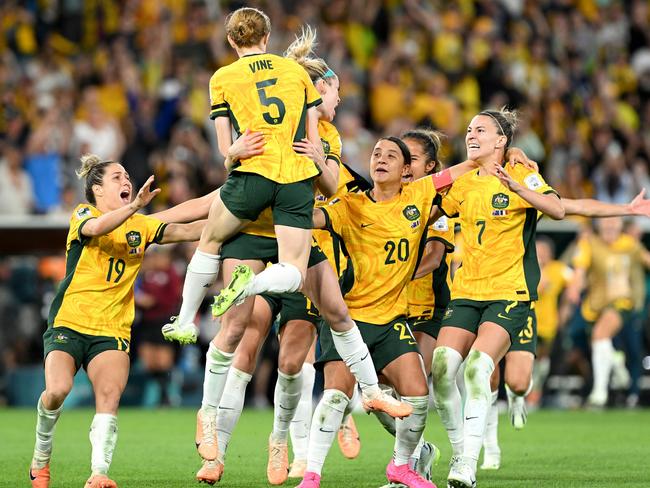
[
  {"x": 108, "y": 396},
  {"x": 289, "y": 364},
  {"x": 477, "y": 373},
  {"x": 56, "y": 393},
  {"x": 518, "y": 383}
]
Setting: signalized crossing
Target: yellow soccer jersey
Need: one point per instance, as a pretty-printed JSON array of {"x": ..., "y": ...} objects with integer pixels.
[
  {"x": 609, "y": 273},
  {"x": 555, "y": 277},
  {"x": 96, "y": 296},
  {"x": 422, "y": 299},
  {"x": 269, "y": 94},
  {"x": 331, "y": 140},
  {"x": 498, "y": 227},
  {"x": 384, "y": 241}
]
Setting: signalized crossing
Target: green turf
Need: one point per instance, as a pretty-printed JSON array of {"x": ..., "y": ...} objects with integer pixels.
[{"x": 155, "y": 449}]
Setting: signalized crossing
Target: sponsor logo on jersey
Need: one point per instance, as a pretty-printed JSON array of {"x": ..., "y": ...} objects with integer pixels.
[
  {"x": 133, "y": 238},
  {"x": 411, "y": 212},
  {"x": 83, "y": 212},
  {"x": 500, "y": 200},
  {"x": 533, "y": 181},
  {"x": 442, "y": 224},
  {"x": 326, "y": 146}
]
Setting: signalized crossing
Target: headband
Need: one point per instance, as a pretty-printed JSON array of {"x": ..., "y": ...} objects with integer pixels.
[
  {"x": 496, "y": 120},
  {"x": 328, "y": 74}
]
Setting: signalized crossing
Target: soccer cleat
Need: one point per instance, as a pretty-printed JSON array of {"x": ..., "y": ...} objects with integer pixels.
[
  {"x": 311, "y": 480},
  {"x": 620, "y": 375},
  {"x": 348, "y": 437},
  {"x": 277, "y": 469},
  {"x": 429, "y": 455},
  {"x": 298, "y": 468},
  {"x": 517, "y": 411},
  {"x": 100, "y": 481},
  {"x": 206, "y": 435},
  {"x": 233, "y": 294},
  {"x": 461, "y": 475},
  {"x": 40, "y": 477},
  {"x": 386, "y": 403},
  {"x": 406, "y": 475},
  {"x": 181, "y": 333},
  {"x": 597, "y": 400},
  {"x": 210, "y": 472},
  {"x": 491, "y": 459}
]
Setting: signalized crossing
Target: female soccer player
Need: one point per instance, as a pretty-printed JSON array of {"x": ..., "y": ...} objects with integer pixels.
[
  {"x": 492, "y": 291},
  {"x": 392, "y": 218},
  {"x": 90, "y": 318}
]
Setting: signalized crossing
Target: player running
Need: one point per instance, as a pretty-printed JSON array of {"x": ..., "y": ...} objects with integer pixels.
[{"x": 90, "y": 318}]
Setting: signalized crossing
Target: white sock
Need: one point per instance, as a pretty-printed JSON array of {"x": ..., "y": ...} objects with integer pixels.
[
  {"x": 45, "y": 425},
  {"x": 285, "y": 401},
  {"x": 324, "y": 426},
  {"x": 410, "y": 429},
  {"x": 277, "y": 278},
  {"x": 460, "y": 383},
  {"x": 230, "y": 407},
  {"x": 387, "y": 422},
  {"x": 446, "y": 396},
  {"x": 541, "y": 371},
  {"x": 602, "y": 357},
  {"x": 355, "y": 355},
  {"x": 103, "y": 437},
  {"x": 201, "y": 275},
  {"x": 477, "y": 380},
  {"x": 217, "y": 364},
  {"x": 299, "y": 428},
  {"x": 491, "y": 440}
]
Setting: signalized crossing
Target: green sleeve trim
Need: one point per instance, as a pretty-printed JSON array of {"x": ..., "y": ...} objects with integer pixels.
[
  {"x": 448, "y": 245},
  {"x": 159, "y": 233},
  {"x": 328, "y": 220},
  {"x": 446, "y": 214},
  {"x": 315, "y": 103},
  {"x": 219, "y": 105},
  {"x": 219, "y": 113},
  {"x": 82, "y": 238},
  {"x": 334, "y": 158}
]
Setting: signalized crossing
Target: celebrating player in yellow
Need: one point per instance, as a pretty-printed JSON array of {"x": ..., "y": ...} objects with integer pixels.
[
  {"x": 492, "y": 291},
  {"x": 90, "y": 318}
]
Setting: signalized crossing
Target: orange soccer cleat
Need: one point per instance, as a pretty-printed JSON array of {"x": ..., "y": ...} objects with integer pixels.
[
  {"x": 348, "y": 437},
  {"x": 277, "y": 469},
  {"x": 210, "y": 472},
  {"x": 383, "y": 402},
  {"x": 100, "y": 481},
  {"x": 40, "y": 477},
  {"x": 206, "y": 435}
]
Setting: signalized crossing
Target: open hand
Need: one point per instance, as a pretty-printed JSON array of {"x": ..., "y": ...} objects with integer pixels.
[
  {"x": 145, "y": 195},
  {"x": 640, "y": 206},
  {"x": 311, "y": 150},
  {"x": 516, "y": 156}
]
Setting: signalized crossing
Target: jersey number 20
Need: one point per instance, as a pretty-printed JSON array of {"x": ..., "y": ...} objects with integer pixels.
[{"x": 268, "y": 101}]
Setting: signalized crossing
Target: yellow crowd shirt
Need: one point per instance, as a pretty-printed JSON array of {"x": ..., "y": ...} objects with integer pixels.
[
  {"x": 96, "y": 295},
  {"x": 555, "y": 277},
  {"x": 269, "y": 94},
  {"x": 426, "y": 293},
  {"x": 498, "y": 226},
  {"x": 384, "y": 241},
  {"x": 609, "y": 273}
]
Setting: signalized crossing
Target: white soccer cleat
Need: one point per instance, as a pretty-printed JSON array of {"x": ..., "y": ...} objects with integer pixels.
[
  {"x": 429, "y": 455},
  {"x": 461, "y": 475},
  {"x": 597, "y": 400},
  {"x": 298, "y": 468},
  {"x": 181, "y": 333},
  {"x": 491, "y": 459},
  {"x": 620, "y": 375},
  {"x": 517, "y": 411}
]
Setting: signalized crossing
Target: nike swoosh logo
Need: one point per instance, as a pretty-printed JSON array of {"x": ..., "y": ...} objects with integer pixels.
[
  {"x": 216, "y": 372},
  {"x": 364, "y": 358},
  {"x": 416, "y": 431},
  {"x": 326, "y": 431},
  {"x": 207, "y": 285},
  {"x": 31, "y": 476},
  {"x": 224, "y": 408},
  {"x": 363, "y": 226},
  {"x": 525, "y": 341},
  {"x": 284, "y": 408},
  {"x": 501, "y": 316},
  {"x": 470, "y": 418}
]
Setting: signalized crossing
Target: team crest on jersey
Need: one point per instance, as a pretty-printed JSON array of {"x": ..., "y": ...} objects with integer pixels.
[
  {"x": 411, "y": 212},
  {"x": 500, "y": 200},
  {"x": 61, "y": 338},
  {"x": 133, "y": 238},
  {"x": 83, "y": 212},
  {"x": 326, "y": 146}
]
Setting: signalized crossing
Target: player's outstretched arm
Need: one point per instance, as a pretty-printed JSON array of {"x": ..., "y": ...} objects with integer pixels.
[
  {"x": 112, "y": 220},
  {"x": 444, "y": 179},
  {"x": 183, "y": 232},
  {"x": 589, "y": 207},
  {"x": 189, "y": 211}
]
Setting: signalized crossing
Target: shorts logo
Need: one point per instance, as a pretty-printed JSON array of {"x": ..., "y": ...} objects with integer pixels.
[
  {"x": 133, "y": 238},
  {"x": 448, "y": 313},
  {"x": 500, "y": 200},
  {"x": 61, "y": 338},
  {"x": 326, "y": 146},
  {"x": 411, "y": 212}
]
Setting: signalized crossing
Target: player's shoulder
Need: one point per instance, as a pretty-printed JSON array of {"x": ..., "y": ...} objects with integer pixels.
[
  {"x": 84, "y": 211},
  {"x": 526, "y": 176}
]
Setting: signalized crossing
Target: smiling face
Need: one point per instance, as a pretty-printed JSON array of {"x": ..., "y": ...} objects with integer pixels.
[
  {"x": 329, "y": 92},
  {"x": 387, "y": 163},
  {"x": 483, "y": 141},
  {"x": 420, "y": 164},
  {"x": 116, "y": 189}
]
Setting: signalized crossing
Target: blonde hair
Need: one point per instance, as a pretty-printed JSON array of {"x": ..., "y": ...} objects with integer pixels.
[
  {"x": 431, "y": 141},
  {"x": 92, "y": 170},
  {"x": 301, "y": 50},
  {"x": 247, "y": 26},
  {"x": 505, "y": 121}
]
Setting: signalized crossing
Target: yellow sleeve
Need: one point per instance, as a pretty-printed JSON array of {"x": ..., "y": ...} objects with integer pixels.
[
  {"x": 442, "y": 230},
  {"x": 335, "y": 148},
  {"x": 450, "y": 203},
  {"x": 582, "y": 256},
  {"x": 82, "y": 214},
  {"x": 218, "y": 105},
  {"x": 313, "y": 97},
  {"x": 335, "y": 215},
  {"x": 533, "y": 181}
]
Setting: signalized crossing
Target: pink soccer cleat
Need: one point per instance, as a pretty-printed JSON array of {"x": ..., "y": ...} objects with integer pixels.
[
  {"x": 405, "y": 475},
  {"x": 311, "y": 480}
]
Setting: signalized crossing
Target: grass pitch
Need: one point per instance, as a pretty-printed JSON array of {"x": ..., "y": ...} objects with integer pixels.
[{"x": 156, "y": 449}]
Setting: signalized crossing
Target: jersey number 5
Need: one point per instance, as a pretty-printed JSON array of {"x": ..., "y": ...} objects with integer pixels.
[
  {"x": 115, "y": 265},
  {"x": 268, "y": 101}
]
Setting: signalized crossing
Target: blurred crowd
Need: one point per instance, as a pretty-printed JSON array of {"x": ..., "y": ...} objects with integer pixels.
[{"x": 128, "y": 80}]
